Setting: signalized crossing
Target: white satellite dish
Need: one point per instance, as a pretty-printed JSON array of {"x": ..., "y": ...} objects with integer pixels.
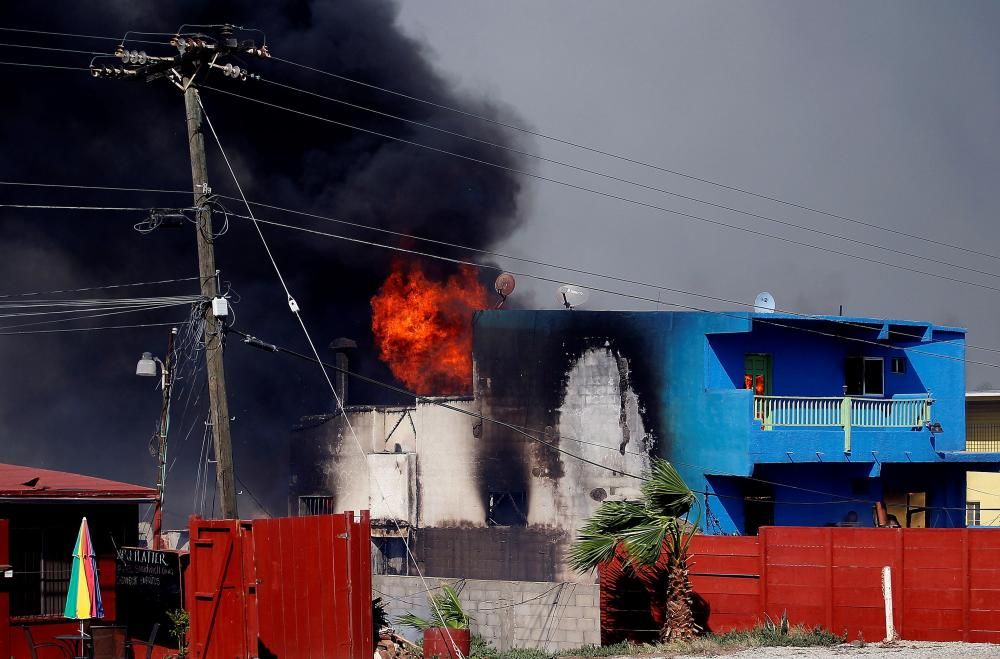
[
  {"x": 763, "y": 303},
  {"x": 572, "y": 297}
]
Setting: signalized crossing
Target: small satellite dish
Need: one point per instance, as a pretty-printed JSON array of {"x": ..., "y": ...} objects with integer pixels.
[
  {"x": 763, "y": 303},
  {"x": 504, "y": 286},
  {"x": 572, "y": 297}
]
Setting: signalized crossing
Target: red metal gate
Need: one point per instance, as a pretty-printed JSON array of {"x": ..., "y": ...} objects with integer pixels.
[{"x": 294, "y": 588}]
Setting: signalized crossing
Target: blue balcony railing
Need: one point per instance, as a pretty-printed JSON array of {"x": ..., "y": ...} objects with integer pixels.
[{"x": 845, "y": 412}]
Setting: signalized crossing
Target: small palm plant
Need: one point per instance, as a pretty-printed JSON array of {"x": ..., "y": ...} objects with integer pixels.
[
  {"x": 642, "y": 528},
  {"x": 446, "y": 611}
]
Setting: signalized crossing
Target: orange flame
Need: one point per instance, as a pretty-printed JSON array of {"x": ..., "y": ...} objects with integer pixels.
[{"x": 423, "y": 328}]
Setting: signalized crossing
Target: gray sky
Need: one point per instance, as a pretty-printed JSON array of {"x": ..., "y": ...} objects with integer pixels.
[{"x": 885, "y": 112}]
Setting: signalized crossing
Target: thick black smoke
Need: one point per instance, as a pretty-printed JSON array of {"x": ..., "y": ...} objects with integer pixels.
[{"x": 70, "y": 401}]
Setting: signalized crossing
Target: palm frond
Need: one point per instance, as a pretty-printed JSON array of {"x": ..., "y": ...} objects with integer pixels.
[
  {"x": 590, "y": 551},
  {"x": 665, "y": 492},
  {"x": 446, "y": 611},
  {"x": 415, "y": 621},
  {"x": 613, "y": 517},
  {"x": 644, "y": 544}
]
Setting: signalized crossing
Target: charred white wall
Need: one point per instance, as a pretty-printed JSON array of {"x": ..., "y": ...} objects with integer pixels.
[{"x": 435, "y": 465}]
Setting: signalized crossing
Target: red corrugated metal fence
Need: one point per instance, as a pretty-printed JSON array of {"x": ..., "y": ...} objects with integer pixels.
[
  {"x": 945, "y": 583},
  {"x": 297, "y": 587}
]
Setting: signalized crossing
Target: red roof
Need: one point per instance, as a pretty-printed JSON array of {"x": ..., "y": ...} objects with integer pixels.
[{"x": 27, "y": 483}]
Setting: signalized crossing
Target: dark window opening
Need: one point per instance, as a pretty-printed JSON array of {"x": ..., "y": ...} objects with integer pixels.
[
  {"x": 863, "y": 376},
  {"x": 42, "y": 564},
  {"x": 860, "y": 487},
  {"x": 910, "y": 508},
  {"x": 898, "y": 365},
  {"x": 316, "y": 505},
  {"x": 758, "y": 507},
  {"x": 389, "y": 556},
  {"x": 508, "y": 509},
  {"x": 973, "y": 512}
]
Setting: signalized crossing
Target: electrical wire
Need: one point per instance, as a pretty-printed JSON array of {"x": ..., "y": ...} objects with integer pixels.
[
  {"x": 92, "y": 187},
  {"x": 294, "y": 308},
  {"x": 602, "y": 193},
  {"x": 83, "y": 208},
  {"x": 260, "y": 505},
  {"x": 756, "y": 318},
  {"x": 565, "y": 268},
  {"x": 636, "y": 161},
  {"x": 58, "y": 50},
  {"x": 88, "y": 317},
  {"x": 45, "y": 66},
  {"x": 86, "y": 329},
  {"x": 71, "y": 35},
  {"x": 637, "y": 184},
  {"x": 550, "y": 138},
  {"x": 104, "y": 287}
]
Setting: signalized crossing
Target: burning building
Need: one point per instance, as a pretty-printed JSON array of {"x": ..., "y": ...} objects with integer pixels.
[{"x": 761, "y": 414}]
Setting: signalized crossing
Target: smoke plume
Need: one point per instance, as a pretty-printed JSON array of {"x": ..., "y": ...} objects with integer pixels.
[{"x": 71, "y": 401}]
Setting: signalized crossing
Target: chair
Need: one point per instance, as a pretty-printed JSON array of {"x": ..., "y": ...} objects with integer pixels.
[
  {"x": 34, "y": 647},
  {"x": 148, "y": 645},
  {"x": 108, "y": 641}
]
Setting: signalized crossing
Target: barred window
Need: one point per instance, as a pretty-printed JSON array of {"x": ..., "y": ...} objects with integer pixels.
[
  {"x": 316, "y": 505},
  {"x": 42, "y": 565}
]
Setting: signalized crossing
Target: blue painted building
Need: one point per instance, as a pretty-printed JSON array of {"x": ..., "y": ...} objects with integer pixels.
[{"x": 778, "y": 419}]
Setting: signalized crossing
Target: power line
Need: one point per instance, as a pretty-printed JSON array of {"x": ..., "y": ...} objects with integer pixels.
[
  {"x": 45, "y": 66},
  {"x": 636, "y": 161},
  {"x": 756, "y": 319},
  {"x": 80, "y": 208},
  {"x": 58, "y": 50},
  {"x": 92, "y": 187},
  {"x": 602, "y": 193},
  {"x": 76, "y": 318},
  {"x": 104, "y": 287},
  {"x": 257, "y": 501},
  {"x": 449, "y": 244},
  {"x": 565, "y": 268},
  {"x": 619, "y": 179},
  {"x": 87, "y": 329},
  {"x": 77, "y": 36}
]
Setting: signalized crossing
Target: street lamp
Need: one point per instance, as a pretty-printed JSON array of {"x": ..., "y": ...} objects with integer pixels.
[
  {"x": 147, "y": 365},
  {"x": 147, "y": 368}
]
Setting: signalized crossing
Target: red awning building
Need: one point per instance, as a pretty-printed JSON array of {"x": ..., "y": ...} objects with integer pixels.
[{"x": 40, "y": 512}]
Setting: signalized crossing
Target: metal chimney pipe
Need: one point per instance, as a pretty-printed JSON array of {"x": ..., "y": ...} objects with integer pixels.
[{"x": 341, "y": 348}]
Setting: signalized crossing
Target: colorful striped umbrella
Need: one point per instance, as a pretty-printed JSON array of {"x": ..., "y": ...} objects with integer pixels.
[{"x": 83, "y": 601}]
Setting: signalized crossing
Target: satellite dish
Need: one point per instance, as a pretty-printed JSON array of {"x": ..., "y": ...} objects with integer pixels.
[
  {"x": 504, "y": 286},
  {"x": 572, "y": 297},
  {"x": 763, "y": 303}
]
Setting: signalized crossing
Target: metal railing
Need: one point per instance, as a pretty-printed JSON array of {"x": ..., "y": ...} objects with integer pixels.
[
  {"x": 982, "y": 437},
  {"x": 845, "y": 412}
]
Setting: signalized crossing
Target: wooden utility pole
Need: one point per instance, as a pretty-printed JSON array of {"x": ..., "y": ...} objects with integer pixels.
[
  {"x": 196, "y": 55},
  {"x": 217, "y": 400}
]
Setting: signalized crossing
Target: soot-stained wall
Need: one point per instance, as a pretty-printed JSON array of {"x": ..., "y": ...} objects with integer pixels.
[{"x": 495, "y": 478}]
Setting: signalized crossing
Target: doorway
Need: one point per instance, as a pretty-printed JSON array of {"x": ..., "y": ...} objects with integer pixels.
[{"x": 757, "y": 373}]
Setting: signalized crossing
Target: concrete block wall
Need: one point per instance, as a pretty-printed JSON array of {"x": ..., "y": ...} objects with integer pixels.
[{"x": 550, "y": 616}]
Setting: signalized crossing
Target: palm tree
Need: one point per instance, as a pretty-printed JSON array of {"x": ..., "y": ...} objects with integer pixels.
[{"x": 642, "y": 528}]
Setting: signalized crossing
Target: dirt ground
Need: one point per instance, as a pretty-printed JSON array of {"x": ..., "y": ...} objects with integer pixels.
[{"x": 898, "y": 650}]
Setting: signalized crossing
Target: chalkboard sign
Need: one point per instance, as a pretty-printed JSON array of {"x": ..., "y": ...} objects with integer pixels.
[{"x": 147, "y": 585}]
